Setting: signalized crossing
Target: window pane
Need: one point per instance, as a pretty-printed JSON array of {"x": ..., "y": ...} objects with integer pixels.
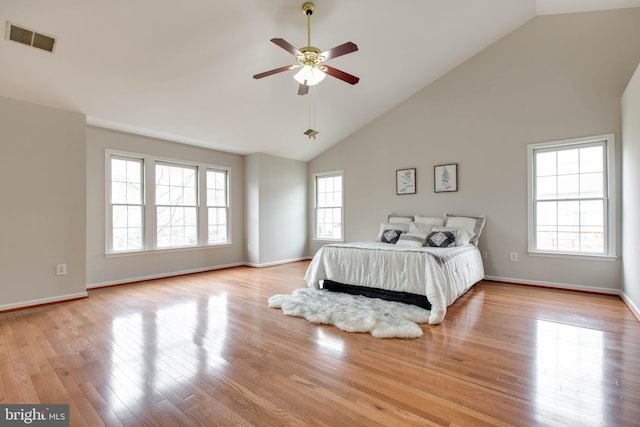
[
  {"x": 591, "y": 159},
  {"x": 546, "y": 213},
  {"x": 568, "y": 186},
  {"x": 547, "y": 187},
  {"x": 547, "y": 238},
  {"x": 217, "y": 225},
  {"x": 568, "y": 238},
  {"x": 546, "y": 164},
  {"x": 592, "y": 213},
  {"x": 119, "y": 216},
  {"x": 118, "y": 170},
  {"x": 118, "y": 192},
  {"x": 162, "y": 195},
  {"x": 568, "y": 161},
  {"x": 592, "y": 185},
  {"x": 134, "y": 217},
  {"x": 569, "y": 213},
  {"x": 592, "y": 239}
]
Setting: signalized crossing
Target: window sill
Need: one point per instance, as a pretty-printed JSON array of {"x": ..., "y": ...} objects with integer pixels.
[
  {"x": 328, "y": 240},
  {"x": 165, "y": 250},
  {"x": 566, "y": 255}
]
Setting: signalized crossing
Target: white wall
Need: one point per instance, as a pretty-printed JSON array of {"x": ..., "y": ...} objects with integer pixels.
[
  {"x": 556, "y": 77},
  {"x": 276, "y": 215},
  {"x": 104, "y": 270},
  {"x": 43, "y": 210},
  {"x": 630, "y": 193}
]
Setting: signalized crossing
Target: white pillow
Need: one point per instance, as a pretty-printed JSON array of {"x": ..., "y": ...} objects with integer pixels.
[
  {"x": 417, "y": 227},
  {"x": 403, "y": 228},
  {"x": 403, "y": 219},
  {"x": 474, "y": 224},
  {"x": 429, "y": 220},
  {"x": 463, "y": 236},
  {"x": 412, "y": 240}
]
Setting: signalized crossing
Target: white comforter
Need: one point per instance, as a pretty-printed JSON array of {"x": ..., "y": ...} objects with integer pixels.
[{"x": 441, "y": 274}]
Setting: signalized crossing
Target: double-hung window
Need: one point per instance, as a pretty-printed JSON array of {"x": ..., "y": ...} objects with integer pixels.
[
  {"x": 328, "y": 206},
  {"x": 176, "y": 205},
  {"x": 571, "y": 197},
  {"x": 126, "y": 197},
  {"x": 217, "y": 205},
  {"x": 185, "y": 205}
]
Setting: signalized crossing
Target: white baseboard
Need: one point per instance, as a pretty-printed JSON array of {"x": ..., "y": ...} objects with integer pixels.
[
  {"x": 568, "y": 286},
  {"x": 634, "y": 308},
  {"x": 271, "y": 264},
  {"x": 42, "y": 301},
  {"x": 161, "y": 276}
]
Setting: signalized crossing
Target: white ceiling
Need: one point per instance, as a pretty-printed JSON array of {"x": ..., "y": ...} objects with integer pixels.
[{"x": 182, "y": 70}]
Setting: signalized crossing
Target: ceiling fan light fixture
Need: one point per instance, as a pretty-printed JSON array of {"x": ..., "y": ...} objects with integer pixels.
[{"x": 311, "y": 75}]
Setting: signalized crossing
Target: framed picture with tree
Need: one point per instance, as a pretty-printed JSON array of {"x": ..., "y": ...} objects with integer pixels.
[{"x": 445, "y": 178}]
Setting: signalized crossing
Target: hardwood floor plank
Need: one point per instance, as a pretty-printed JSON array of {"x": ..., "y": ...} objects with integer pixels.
[{"x": 205, "y": 350}]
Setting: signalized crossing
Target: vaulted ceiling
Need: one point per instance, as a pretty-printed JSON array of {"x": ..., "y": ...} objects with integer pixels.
[{"x": 182, "y": 70}]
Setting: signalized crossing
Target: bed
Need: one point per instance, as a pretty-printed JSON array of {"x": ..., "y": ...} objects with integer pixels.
[{"x": 412, "y": 269}]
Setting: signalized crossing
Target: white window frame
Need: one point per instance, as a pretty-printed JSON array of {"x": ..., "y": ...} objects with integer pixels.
[
  {"x": 110, "y": 204},
  {"x": 610, "y": 197},
  {"x": 149, "y": 205},
  {"x": 195, "y": 206},
  {"x": 212, "y": 206},
  {"x": 315, "y": 205}
]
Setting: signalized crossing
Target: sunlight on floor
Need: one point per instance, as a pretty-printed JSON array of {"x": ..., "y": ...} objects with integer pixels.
[{"x": 569, "y": 374}]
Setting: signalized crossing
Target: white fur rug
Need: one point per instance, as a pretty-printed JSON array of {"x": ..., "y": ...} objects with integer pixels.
[{"x": 353, "y": 313}]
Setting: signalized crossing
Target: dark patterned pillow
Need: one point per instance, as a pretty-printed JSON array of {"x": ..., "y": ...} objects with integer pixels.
[
  {"x": 441, "y": 239},
  {"x": 390, "y": 236}
]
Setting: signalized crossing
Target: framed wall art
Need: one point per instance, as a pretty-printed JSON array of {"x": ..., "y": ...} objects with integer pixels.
[
  {"x": 406, "y": 181},
  {"x": 445, "y": 178}
]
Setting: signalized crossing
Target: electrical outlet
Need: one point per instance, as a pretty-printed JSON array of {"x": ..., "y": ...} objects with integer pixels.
[
  {"x": 513, "y": 256},
  {"x": 61, "y": 269}
]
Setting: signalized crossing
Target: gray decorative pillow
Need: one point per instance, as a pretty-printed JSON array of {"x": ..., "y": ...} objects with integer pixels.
[
  {"x": 412, "y": 240},
  {"x": 474, "y": 224},
  {"x": 389, "y": 226},
  {"x": 390, "y": 236},
  {"x": 441, "y": 239}
]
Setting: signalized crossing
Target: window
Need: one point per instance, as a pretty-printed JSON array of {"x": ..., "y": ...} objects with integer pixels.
[
  {"x": 217, "y": 205},
  {"x": 126, "y": 204},
  {"x": 328, "y": 206},
  {"x": 187, "y": 207},
  {"x": 176, "y": 205},
  {"x": 571, "y": 209}
]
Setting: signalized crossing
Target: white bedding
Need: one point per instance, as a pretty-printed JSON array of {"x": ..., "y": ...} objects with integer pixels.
[{"x": 441, "y": 274}]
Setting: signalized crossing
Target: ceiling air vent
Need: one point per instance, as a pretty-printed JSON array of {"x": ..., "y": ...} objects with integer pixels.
[{"x": 29, "y": 37}]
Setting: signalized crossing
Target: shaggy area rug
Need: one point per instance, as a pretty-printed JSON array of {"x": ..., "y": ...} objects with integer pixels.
[{"x": 353, "y": 313}]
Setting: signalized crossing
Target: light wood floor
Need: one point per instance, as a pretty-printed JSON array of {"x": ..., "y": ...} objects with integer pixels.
[{"x": 204, "y": 349}]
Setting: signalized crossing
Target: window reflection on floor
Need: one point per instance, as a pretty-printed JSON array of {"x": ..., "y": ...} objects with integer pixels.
[
  {"x": 569, "y": 374},
  {"x": 127, "y": 372},
  {"x": 328, "y": 343},
  {"x": 165, "y": 348}
]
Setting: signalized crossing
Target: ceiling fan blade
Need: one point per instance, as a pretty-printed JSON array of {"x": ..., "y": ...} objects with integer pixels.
[
  {"x": 339, "y": 74},
  {"x": 343, "y": 49},
  {"x": 287, "y": 46},
  {"x": 303, "y": 89},
  {"x": 275, "y": 71}
]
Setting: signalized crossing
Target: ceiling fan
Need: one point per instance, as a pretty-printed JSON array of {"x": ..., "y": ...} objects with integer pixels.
[{"x": 310, "y": 59}]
